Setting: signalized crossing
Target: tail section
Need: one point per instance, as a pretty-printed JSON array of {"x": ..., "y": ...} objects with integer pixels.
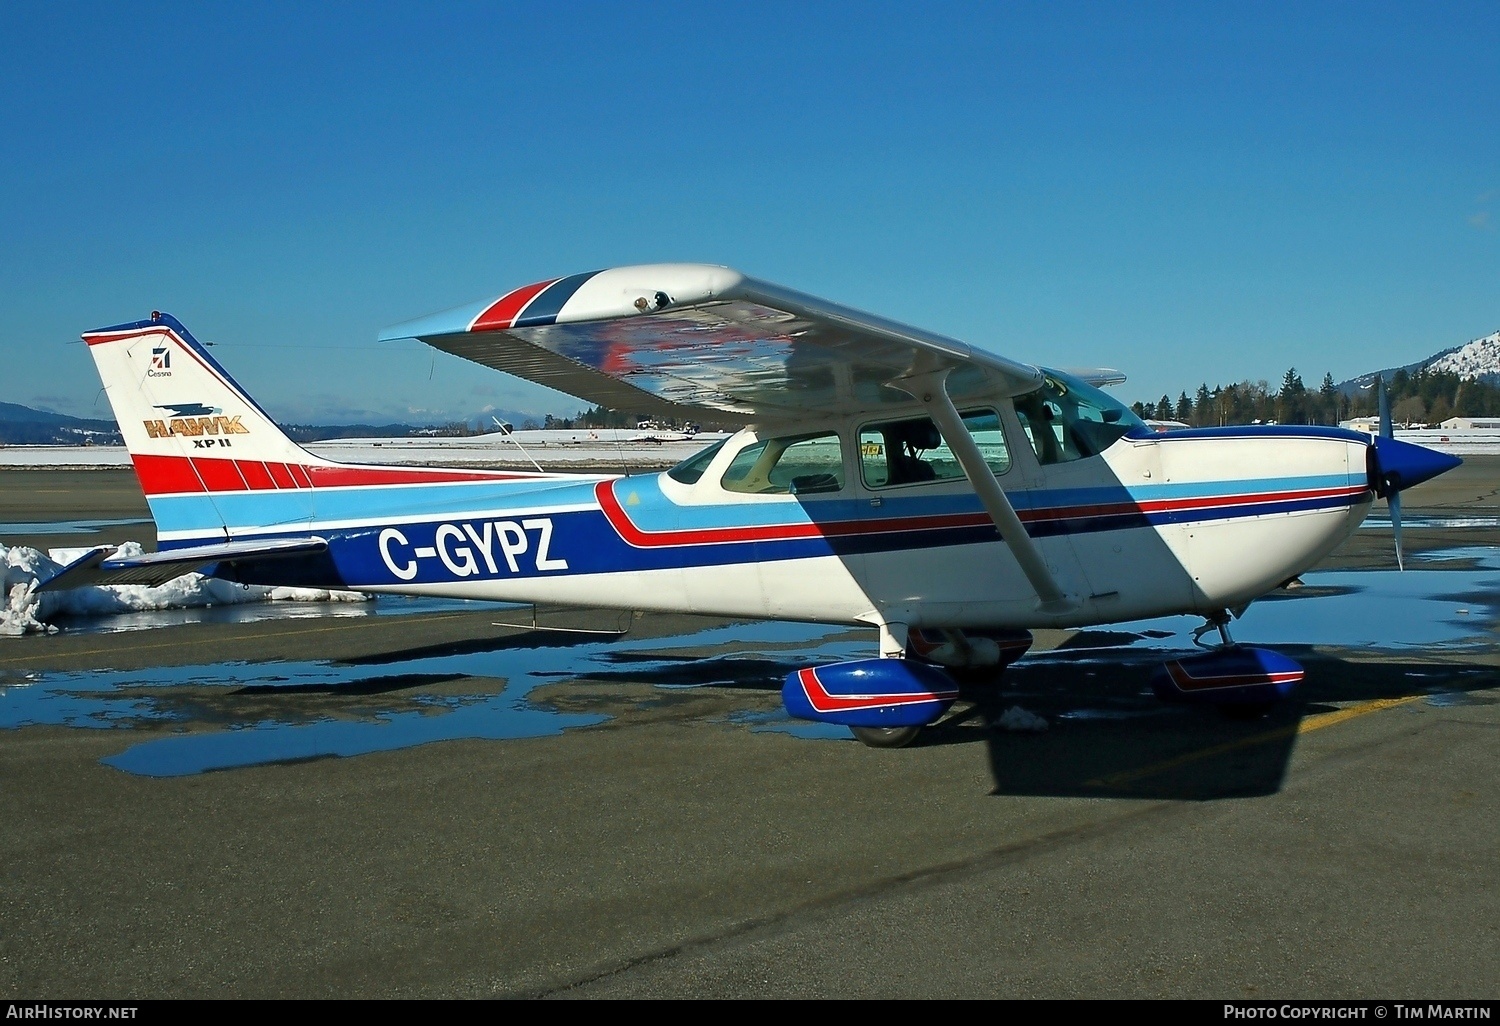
[
  {"x": 215, "y": 468},
  {"x": 191, "y": 430},
  {"x": 175, "y": 402}
]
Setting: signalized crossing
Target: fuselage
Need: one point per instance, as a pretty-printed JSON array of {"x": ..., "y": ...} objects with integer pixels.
[{"x": 1149, "y": 524}]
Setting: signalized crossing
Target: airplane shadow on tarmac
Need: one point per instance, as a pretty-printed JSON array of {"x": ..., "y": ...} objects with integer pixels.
[{"x": 1109, "y": 736}]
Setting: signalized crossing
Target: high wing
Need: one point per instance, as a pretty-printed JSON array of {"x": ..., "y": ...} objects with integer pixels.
[
  {"x": 677, "y": 340},
  {"x": 680, "y": 339}
]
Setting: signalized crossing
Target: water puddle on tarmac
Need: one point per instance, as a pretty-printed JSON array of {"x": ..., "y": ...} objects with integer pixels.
[
  {"x": 229, "y": 715},
  {"x": 245, "y": 714}
]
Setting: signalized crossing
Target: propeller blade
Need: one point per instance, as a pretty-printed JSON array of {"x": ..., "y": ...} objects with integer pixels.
[
  {"x": 1393, "y": 500},
  {"x": 1393, "y": 503}
]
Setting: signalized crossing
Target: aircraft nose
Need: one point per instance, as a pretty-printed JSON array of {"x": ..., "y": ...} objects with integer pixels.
[{"x": 1396, "y": 465}]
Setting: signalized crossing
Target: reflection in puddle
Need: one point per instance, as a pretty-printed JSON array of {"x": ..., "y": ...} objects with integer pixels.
[
  {"x": 1382, "y": 521},
  {"x": 230, "y": 715},
  {"x": 1414, "y": 608},
  {"x": 251, "y": 612},
  {"x": 247, "y": 714},
  {"x": 1446, "y": 698}
]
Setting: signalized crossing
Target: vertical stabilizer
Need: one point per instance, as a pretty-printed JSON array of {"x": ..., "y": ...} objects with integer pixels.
[{"x": 193, "y": 434}]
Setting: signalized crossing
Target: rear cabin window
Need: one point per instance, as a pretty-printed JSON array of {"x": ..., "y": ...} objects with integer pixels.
[
  {"x": 902, "y": 452},
  {"x": 795, "y": 465}
]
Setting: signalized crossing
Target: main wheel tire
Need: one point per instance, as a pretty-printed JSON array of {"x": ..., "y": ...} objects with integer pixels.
[{"x": 885, "y": 737}]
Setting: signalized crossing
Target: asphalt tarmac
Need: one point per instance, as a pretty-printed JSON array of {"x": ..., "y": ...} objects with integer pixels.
[{"x": 1344, "y": 847}]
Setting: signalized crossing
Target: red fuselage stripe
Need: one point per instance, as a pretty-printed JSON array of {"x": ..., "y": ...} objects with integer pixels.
[
  {"x": 167, "y": 475},
  {"x": 636, "y": 536}
]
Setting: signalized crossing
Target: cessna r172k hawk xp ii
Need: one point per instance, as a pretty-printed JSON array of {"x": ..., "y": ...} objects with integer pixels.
[{"x": 883, "y": 475}]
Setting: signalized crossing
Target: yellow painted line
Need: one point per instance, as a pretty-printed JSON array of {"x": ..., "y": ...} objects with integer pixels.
[
  {"x": 1280, "y": 734},
  {"x": 324, "y": 628}
]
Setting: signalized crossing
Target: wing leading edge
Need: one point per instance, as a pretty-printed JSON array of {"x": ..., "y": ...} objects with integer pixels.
[{"x": 680, "y": 340}]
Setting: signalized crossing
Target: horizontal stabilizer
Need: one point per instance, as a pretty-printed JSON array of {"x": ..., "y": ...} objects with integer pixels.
[{"x": 154, "y": 568}]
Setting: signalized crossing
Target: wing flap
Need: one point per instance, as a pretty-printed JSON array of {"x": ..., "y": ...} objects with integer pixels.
[
  {"x": 676, "y": 339},
  {"x": 155, "y": 568}
]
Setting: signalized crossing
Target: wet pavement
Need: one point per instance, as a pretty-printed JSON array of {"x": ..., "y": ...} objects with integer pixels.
[
  {"x": 401, "y": 799},
  {"x": 522, "y": 684}
]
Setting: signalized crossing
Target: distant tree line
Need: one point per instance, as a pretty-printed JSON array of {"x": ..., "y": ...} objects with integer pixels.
[
  {"x": 323, "y": 432},
  {"x": 598, "y": 417},
  {"x": 1422, "y": 397},
  {"x": 591, "y": 419}
]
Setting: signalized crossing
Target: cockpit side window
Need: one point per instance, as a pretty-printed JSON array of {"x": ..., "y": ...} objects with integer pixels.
[
  {"x": 792, "y": 465},
  {"x": 1067, "y": 419},
  {"x": 907, "y": 451}
]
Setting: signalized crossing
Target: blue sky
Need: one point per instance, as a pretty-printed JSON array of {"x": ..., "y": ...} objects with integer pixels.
[{"x": 1188, "y": 192}]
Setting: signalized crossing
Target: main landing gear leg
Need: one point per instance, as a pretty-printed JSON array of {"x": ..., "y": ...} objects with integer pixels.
[
  {"x": 1220, "y": 622},
  {"x": 894, "y": 637},
  {"x": 893, "y": 640}
]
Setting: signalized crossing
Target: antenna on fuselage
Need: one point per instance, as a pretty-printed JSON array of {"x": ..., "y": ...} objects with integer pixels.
[{"x": 506, "y": 431}]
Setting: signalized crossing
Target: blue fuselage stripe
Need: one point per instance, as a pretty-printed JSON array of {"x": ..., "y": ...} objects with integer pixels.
[{"x": 460, "y": 544}]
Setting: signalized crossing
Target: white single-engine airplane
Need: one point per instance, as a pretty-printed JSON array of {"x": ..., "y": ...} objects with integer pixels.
[{"x": 884, "y": 475}]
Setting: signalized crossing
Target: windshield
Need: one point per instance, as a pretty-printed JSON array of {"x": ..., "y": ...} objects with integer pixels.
[
  {"x": 1067, "y": 419},
  {"x": 692, "y": 468}
]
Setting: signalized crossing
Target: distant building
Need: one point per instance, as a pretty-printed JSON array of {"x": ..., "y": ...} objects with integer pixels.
[
  {"x": 1166, "y": 425},
  {"x": 1471, "y": 423}
]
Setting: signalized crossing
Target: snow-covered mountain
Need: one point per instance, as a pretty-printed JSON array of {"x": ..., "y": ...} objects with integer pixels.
[{"x": 1479, "y": 359}]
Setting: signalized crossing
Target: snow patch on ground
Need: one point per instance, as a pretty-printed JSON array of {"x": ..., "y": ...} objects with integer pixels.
[
  {"x": 22, "y": 611},
  {"x": 1019, "y": 719}
]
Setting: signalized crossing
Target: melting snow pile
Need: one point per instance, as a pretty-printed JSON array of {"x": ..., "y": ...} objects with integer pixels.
[
  {"x": 22, "y": 611},
  {"x": 1018, "y": 719}
]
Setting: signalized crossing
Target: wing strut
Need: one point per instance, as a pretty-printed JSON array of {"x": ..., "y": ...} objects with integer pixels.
[{"x": 930, "y": 385}]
